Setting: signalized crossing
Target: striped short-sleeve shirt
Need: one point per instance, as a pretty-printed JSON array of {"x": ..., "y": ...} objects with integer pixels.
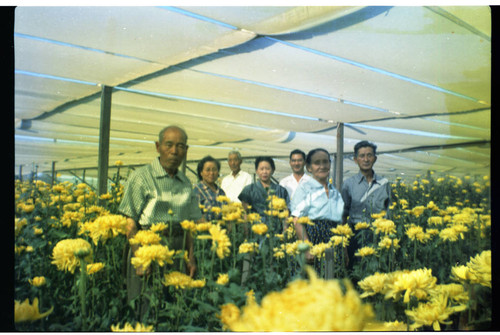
[{"x": 152, "y": 196}]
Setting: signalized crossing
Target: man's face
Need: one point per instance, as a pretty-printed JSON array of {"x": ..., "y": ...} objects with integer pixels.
[
  {"x": 234, "y": 163},
  {"x": 297, "y": 163},
  {"x": 172, "y": 149},
  {"x": 365, "y": 158}
]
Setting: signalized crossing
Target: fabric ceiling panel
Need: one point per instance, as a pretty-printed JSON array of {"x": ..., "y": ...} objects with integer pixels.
[
  {"x": 75, "y": 64},
  {"x": 309, "y": 72},
  {"x": 273, "y": 20},
  {"x": 192, "y": 84},
  {"x": 414, "y": 42},
  {"x": 33, "y": 94},
  {"x": 167, "y": 37}
]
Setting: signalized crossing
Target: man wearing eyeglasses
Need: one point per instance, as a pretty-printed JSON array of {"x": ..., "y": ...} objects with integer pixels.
[{"x": 365, "y": 193}]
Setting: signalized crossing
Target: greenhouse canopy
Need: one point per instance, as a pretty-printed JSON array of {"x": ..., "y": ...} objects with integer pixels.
[{"x": 262, "y": 80}]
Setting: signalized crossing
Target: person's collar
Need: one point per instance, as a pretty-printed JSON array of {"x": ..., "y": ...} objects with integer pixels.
[
  {"x": 159, "y": 171},
  {"x": 361, "y": 177}
]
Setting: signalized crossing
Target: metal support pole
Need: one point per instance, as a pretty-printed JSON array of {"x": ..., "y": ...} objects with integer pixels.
[
  {"x": 104, "y": 129},
  {"x": 20, "y": 173},
  {"x": 53, "y": 173},
  {"x": 339, "y": 161}
]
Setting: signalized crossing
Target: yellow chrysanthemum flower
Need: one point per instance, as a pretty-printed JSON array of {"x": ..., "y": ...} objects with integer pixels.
[
  {"x": 222, "y": 279},
  {"x": 343, "y": 230},
  {"x": 223, "y": 198},
  {"x": 314, "y": 305},
  {"x": 105, "y": 227},
  {"x": 480, "y": 268},
  {"x": 365, "y": 251},
  {"x": 378, "y": 215},
  {"x": 449, "y": 234},
  {"x": 232, "y": 211},
  {"x": 158, "y": 227},
  {"x": 305, "y": 220},
  {"x": 435, "y": 220},
  {"x": 248, "y": 247},
  {"x": 28, "y": 312},
  {"x": 415, "y": 283},
  {"x": 417, "y": 233},
  {"x": 38, "y": 281},
  {"x": 94, "y": 267},
  {"x": 66, "y": 254},
  {"x": 456, "y": 292},
  {"x": 277, "y": 203},
  {"x": 387, "y": 243},
  {"x": 337, "y": 240},
  {"x": 220, "y": 241},
  {"x": 361, "y": 225},
  {"x": 152, "y": 253},
  {"x": 188, "y": 225},
  {"x": 145, "y": 237},
  {"x": 181, "y": 280},
  {"x": 433, "y": 313},
  {"x": 260, "y": 228},
  {"x": 384, "y": 226},
  {"x": 229, "y": 313},
  {"x": 128, "y": 328},
  {"x": 318, "y": 250},
  {"x": 373, "y": 284}
]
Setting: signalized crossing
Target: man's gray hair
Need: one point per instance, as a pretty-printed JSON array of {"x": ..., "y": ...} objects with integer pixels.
[
  {"x": 235, "y": 152},
  {"x": 160, "y": 136}
]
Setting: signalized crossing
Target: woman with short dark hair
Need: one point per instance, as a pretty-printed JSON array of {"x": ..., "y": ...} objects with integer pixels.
[{"x": 207, "y": 190}]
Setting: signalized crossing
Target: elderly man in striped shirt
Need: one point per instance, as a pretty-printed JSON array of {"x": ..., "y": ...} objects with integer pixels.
[{"x": 160, "y": 193}]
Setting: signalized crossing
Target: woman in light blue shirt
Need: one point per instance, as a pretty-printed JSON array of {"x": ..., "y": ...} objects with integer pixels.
[{"x": 317, "y": 199}]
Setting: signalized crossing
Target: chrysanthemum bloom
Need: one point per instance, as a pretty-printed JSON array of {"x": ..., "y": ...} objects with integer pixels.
[
  {"x": 66, "y": 252},
  {"x": 229, "y": 313},
  {"x": 305, "y": 220},
  {"x": 26, "y": 312},
  {"x": 145, "y": 237},
  {"x": 220, "y": 241},
  {"x": 480, "y": 268},
  {"x": 94, "y": 267},
  {"x": 417, "y": 233},
  {"x": 260, "y": 228},
  {"x": 384, "y": 226},
  {"x": 314, "y": 305},
  {"x": 19, "y": 224},
  {"x": 387, "y": 243},
  {"x": 223, "y": 198},
  {"x": 318, "y": 250},
  {"x": 417, "y": 211},
  {"x": 158, "y": 227},
  {"x": 189, "y": 225},
  {"x": 361, "y": 225},
  {"x": 343, "y": 230},
  {"x": 435, "y": 220},
  {"x": 38, "y": 281},
  {"x": 222, "y": 279},
  {"x": 128, "y": 328},
  {"x": 365, "y": 251},
  {"x": 277, "y": 203},
  {"x": 337, "y": 240},
  {"x": 460, "y": 229},
  {"x": 204, "y": 226},
  {"x": 403, "y": 203},
  {"x": 216, "y": 210},
  {"x": 433, "y": 313},
  {"x": 70, "y": 217},
  {"x": 432, "y": 206},
  {"x": 373, "y": 284},
  {"x": 152, "y": 253},
  {"x": 248, "y": 247},
  {"x": 279, "y": 254},
  {"x": 415, "y": 283},
  {"x": 378, "y": 215},
  {"x": 181, "y": 280},
  {"x": 105, "y": 227},
  {"x": 449, "y": 234},
  {"x": 456, "y": 292}
]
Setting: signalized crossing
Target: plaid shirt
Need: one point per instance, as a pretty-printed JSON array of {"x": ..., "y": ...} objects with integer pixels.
[{"x": 150, "y": 193}]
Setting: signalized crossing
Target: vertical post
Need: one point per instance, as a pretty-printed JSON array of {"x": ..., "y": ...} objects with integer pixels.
[
  {"x": 104, "y": 129},
  {"x": 21, "y": 172},
  {"x": 339, "y": 161},
  {"x": 53, "y": 173}
]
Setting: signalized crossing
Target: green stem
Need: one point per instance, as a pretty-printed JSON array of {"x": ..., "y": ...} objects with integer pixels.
[{"x": 82, "y": 289}]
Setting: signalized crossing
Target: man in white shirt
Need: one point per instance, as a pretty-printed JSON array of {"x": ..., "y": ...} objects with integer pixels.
[
  {"x": 297, "y": 163},
  {"x": 233, "y": 183}
]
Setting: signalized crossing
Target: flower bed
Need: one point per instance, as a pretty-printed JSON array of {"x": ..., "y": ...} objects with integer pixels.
[{"x": 427, "y": 266}]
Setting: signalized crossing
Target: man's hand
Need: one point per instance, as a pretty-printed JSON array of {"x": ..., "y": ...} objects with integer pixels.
[{"x": 191, "y": 267}]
